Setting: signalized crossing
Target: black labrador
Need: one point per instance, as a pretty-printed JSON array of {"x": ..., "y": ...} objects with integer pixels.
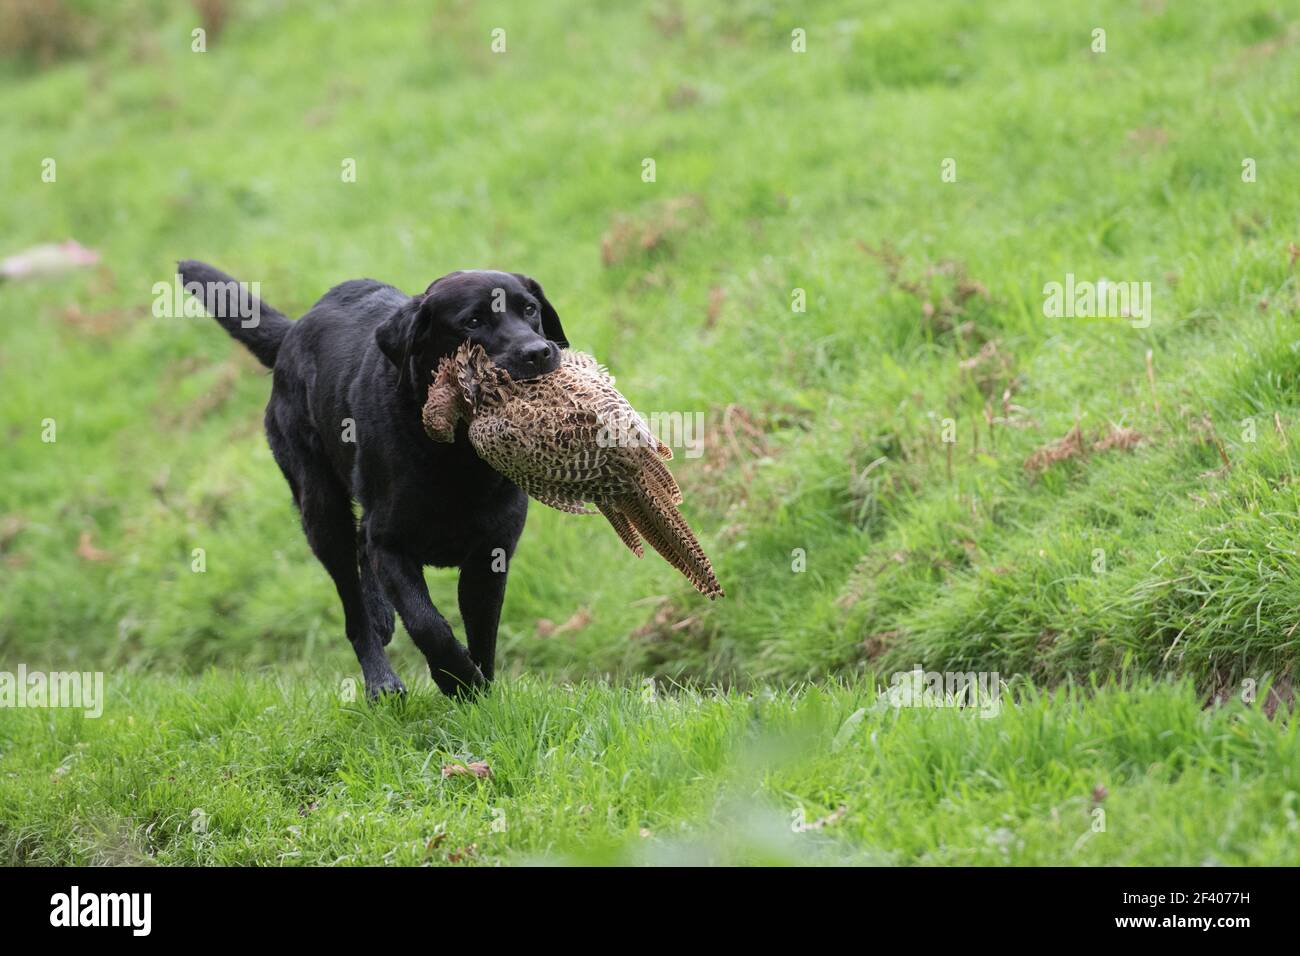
[{"x": 343, "y": 422}]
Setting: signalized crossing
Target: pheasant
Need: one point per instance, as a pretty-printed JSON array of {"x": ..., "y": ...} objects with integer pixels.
[{"x": 570, "y": 439}]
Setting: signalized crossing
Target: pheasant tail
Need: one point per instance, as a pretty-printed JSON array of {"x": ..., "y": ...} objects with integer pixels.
[
  {"x": 664, "y": 529},
  {"x": 659, "y": 482},
  {"x": 623, "y": 527}
]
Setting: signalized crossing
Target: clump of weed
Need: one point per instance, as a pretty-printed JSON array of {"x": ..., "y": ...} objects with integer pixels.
[{"x": 944, "y": 289}]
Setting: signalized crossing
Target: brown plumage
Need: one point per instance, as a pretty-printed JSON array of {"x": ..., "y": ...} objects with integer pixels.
[{"x": 570, "y": 439}]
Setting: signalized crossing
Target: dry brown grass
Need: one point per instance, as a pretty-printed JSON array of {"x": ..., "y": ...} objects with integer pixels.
[
  {"x": 1074, "y": 444},
  {"x": 44, "y": 30},
  {"x": 1125, "y": 439},
  {"x": 576, "y": 622},
  {"x": 653, "y": 230},
  {"x": 213, "y": 15}
]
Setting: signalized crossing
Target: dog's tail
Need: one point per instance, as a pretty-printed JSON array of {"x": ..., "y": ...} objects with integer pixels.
[{"x": 249, "y": 320}]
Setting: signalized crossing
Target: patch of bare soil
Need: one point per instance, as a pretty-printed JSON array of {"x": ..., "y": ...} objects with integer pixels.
[
  {"x": 876, "y": 644},
  {"x": 1281, "y": 694}
]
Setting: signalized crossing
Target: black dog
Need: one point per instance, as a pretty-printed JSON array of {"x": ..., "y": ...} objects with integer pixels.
[{"x": 343, "y": 422}]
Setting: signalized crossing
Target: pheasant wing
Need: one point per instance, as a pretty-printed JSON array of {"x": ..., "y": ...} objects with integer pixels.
[{"x": 556, "y": 458}]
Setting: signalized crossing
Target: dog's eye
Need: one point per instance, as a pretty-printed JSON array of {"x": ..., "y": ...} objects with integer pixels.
[
  {"x": 472, "y": 322},
  {"x": 530, "y": 309}
]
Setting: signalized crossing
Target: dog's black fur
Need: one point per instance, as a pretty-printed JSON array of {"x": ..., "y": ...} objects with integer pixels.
[{"x": 360, "y": 363}]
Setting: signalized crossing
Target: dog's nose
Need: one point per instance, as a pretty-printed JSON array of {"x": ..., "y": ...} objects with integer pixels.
[{"x": 538, "y": 358}]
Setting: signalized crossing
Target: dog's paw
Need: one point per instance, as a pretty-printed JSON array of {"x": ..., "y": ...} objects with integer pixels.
[
  {"x": 474, "y": 690},
  {"x": 389, "y": 686},
  {"x": 465, "y": 684}
]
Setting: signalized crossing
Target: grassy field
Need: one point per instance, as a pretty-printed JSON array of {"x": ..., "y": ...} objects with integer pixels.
[
  {"x": 226, "y": 770},
  {"x": 840, "y": 266}
]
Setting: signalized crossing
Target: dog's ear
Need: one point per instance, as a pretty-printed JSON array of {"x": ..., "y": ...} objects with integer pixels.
[
  {"x": 398, "y": 334},
  {"x": 551, "y": 327}
]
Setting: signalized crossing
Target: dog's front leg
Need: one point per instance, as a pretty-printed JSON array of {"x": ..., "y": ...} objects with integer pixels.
[
  {"x": 481, "y": 591},
  {"x": 403, "y": 581}
]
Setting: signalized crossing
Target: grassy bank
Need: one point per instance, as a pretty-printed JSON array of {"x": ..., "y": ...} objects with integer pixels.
[{"x": 776, "y": 172}]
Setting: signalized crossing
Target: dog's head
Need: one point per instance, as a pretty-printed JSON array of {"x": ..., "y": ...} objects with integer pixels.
[{"x": 504, "y": 312}]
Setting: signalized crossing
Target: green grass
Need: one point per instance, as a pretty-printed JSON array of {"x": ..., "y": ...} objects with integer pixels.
[
  {"x": 228, "y": 771},
  {"x": 775, "y": 172}
]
